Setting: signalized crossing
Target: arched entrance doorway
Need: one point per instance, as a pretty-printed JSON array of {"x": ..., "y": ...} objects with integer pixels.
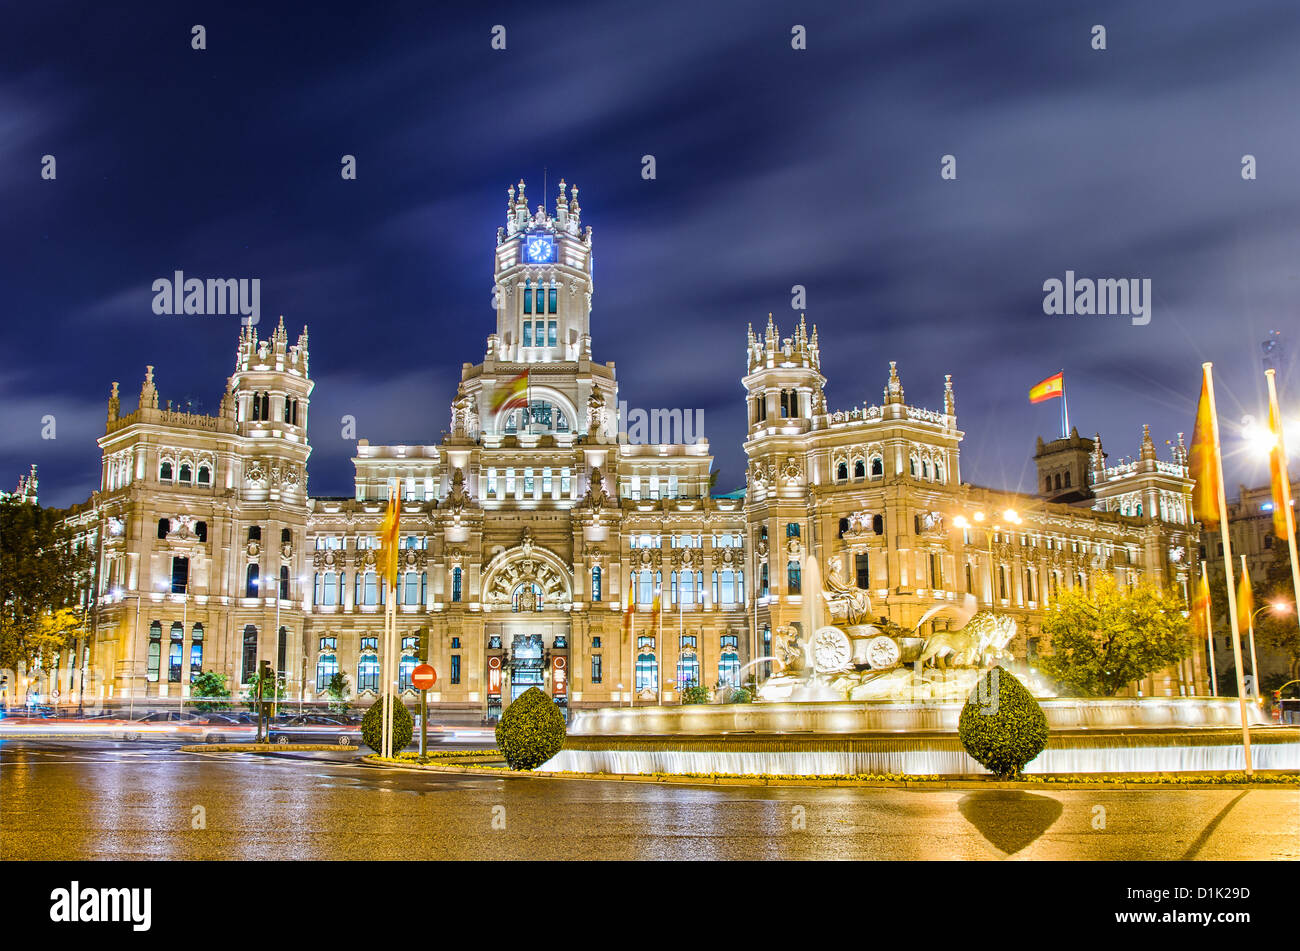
[{"x": 526, "y": 664}]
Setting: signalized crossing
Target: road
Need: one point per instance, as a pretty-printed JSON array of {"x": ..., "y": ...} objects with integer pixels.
[{"x": 148, "y": 800}]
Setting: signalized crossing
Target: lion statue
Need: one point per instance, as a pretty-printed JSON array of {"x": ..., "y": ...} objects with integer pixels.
[{"x": 983, "y": 640}]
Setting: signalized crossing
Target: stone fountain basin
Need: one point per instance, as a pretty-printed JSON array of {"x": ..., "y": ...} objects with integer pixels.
[{"x": 890, "y": 716}]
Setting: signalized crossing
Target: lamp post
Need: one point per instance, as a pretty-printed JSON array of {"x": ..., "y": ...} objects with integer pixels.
[
  {"x": 1010, "y": 516},
  {"x": 1277, "y": 607}
]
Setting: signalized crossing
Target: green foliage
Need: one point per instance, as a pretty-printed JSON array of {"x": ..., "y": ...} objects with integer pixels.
[
  {"x": 695, "y": 693},
  {"x": 1103, "y": 640},
  {"x": 372, "y": 725},
  {"x": 337, "y": 690},
  {"x": 272, "y": 689},
  {"x": 740, "y": 695},
  {"x": 531, "y": 730},
  {"x": 1002, "y": 726},
  {"x": 210, "y": 684},
  {"x": 42, "y": 576},
  {"x": 1277, "y": 629}
]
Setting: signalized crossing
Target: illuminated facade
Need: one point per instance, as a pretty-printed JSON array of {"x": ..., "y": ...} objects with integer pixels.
[{"x": 528, "y": 529}]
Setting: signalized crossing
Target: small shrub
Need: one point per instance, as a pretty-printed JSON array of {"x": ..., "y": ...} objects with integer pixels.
[
  {"x": 531, "y": 730},
  {"x": 1002, "y": 726},
  {"x": 740, "y": 695},
  {"x": 372, "y": 726},
  {"x": 695, "y": 693}
]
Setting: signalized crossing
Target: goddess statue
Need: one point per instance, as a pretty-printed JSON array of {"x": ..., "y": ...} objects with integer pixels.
[{"x": 844, "y": 600}]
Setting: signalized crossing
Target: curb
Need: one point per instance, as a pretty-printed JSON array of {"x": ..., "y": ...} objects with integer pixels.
[{"x": 916, "y": 784}]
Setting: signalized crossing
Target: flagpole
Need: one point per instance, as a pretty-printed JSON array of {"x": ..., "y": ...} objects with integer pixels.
[
  {"x": 1224, "y": 534},
  {"x": 1288, "y": 513},
  {"x": 1250, "y": 626},
  {"x": 1209, "y": 637},
  {"x": 659, "y": 644},
  {"x": 1065, "y": 410}
]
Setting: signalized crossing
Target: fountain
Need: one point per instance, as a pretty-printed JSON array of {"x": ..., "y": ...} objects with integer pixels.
[{"x": 858, "y": 697}]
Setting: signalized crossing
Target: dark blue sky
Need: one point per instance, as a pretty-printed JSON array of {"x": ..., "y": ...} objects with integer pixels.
[{"x": 775, "y": 167}]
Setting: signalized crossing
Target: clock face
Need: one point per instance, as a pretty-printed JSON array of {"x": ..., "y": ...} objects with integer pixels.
[{"x": 539, "y": 249}]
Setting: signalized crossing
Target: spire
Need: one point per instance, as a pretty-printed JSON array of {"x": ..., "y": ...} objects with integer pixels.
[
  {"x": 1098, "y": 459},
  {"x": 1180, "y": 451},
  {"x": 949, "y": 399},
  {"x": 148, "y": 392},
  {"x": 894, "y": 391},
  {"x": 1148, "y": 446},
  {"x": 114, "y": 403}
]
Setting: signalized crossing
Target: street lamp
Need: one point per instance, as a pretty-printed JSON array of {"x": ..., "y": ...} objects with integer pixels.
[{"x": 1008, "y": 515}]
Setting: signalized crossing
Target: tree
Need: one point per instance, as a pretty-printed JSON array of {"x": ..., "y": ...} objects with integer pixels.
[
  {"x": 531, "y": 730},
  {"x": 372, "y": 725},
  {"x": 273, "y": 689},
  {"x": 211, "y": 684},
  {"x": 337, "y": 691},
  {"x": 42, "y": 576},
  {"x": 1279, "y": 630},
  {"x": 1105, "y": 639}
]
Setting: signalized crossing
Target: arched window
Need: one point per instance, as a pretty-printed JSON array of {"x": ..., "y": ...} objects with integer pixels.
[
  {"x": 196, "y": 652},
  {"x": 938, "y": 472},
  {"x": 164, "y": 526},
  {"x": 248, "y": 669},
  {"x": 154, "y": 656},
  {"x": 1047, "y": 484},
  {"x": 688, "y": 671},
  {"x": 201, "y": 531},
  {"x": 925, "y": 470},
  {"x": 912, "y": 467},
  {"x": 877, "y": 466},
  {"x": 165, "y": 472},
  {"x": 1067, "y": 480},
  {"x": 327, "y": 665},
  {"x": 519, "y": 599},
  {"x": 844, "y": 526},
  {"x": 1058, "y": 481},
  {"x": 859, "y": 469},
  {"x": 368, "y": 674},
  {"x": 842, "y": 472},
  {"x": 175, "y": 653},
  {"x": 729, "y": 669},
  {"x": 404, "y": 669},
  {"x": 878, "y": 524},
  {"x": 251, "y": 581},
  {"x": 187, "y": 474},
  {"x": 595, "y": 583},
  {"x": 647, "y": 671},
  {"x": 286, "y": 536}
]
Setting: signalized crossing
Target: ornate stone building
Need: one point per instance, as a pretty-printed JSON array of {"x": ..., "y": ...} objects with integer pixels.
[{"x": 528, "y": 530}]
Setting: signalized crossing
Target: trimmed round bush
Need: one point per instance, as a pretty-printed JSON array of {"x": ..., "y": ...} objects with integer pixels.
[
  {"x": 1002, "y": 726},
  {"x": 531, "y": 730},
  {"x": 372, "y": 726}
]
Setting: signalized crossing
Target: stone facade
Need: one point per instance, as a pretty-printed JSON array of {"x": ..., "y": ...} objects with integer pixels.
[{"x": 532, "y": 525}]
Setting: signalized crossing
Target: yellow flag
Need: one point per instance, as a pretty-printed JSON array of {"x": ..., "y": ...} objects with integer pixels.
[
  {"x": 513, "y": 395},
  {"x": 1201, "y": 606},
  {"x": 1277, "y": 471},
  {"x": 389, "y": 537},
  {"x": 1245, "y": 601},
  {"x": 1203, "y": 460}
]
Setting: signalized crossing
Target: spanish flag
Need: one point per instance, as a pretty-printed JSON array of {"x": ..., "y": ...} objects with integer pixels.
[
  {"x": 389, "y": 537},
  {"x": 513, "y": 395},
  {"x": 1277, "y": 470},
  {"x": 1050, "y": 388},
  {"x": 1245, "y": 601},
  {"x": 1203, "y": 460}
]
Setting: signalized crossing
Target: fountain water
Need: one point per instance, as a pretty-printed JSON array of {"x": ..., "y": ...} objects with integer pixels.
[{"x": 850, "y": 697}]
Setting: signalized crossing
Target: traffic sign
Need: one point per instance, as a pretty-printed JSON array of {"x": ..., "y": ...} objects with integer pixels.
[{"x": 423, "y": 677}]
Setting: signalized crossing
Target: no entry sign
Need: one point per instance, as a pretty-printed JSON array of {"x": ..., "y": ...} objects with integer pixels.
[{"x": 424, "y": 677}]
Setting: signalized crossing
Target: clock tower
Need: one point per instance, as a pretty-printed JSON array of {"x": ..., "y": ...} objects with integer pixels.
[
  {"x": 537, "y": 374},
  {"x": 543, "y": 281}
]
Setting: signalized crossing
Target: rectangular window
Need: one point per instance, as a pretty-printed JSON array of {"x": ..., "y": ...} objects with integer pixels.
[
  {"x": 551, "y": 307},
  {"x": 510, "y": 482},
  {"x": 566, "y": 482},
  {"x": 792, "y": 530},
  {"x": 595, "y": 668},
  {"x": 552, "y": 336},
  {"x": 492, "y": 483},
  {"x": 528, "y": 299},
  {"x": 528, "y": 333},
  {"x": 180, "y": 575},
  {"x": 455, "y": 668},
  {"x": 548, "y": 484},
  {"x": 541, "y": 300},
  {"x": 794, "y": 583},
  {"x": 528, "y": 483}
]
